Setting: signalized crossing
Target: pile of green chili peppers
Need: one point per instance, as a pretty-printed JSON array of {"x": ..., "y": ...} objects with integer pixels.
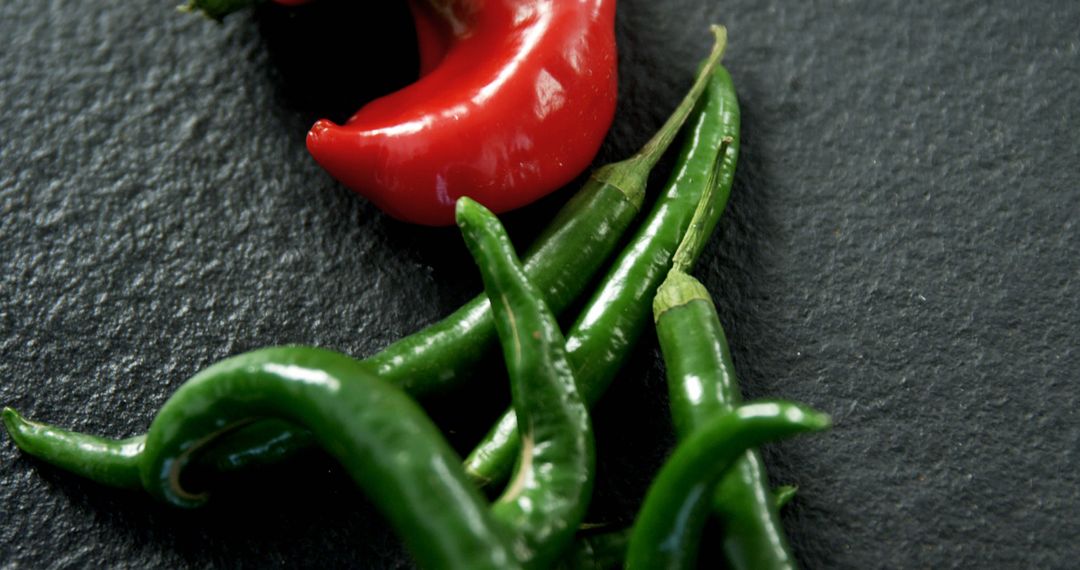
[{"x": 265, "y": 405}]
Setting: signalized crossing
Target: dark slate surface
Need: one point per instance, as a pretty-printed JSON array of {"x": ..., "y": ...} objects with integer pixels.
[{"x": 902, "y": 250}]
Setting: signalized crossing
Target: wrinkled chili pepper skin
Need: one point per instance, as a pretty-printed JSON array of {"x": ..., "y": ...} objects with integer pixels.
[
  {"x": 516, "y": 108},
  {"x": 609, "y": 325},
  {"x": 381, "y": 437},
  {"x": 548, "y": 496},
  {"x": 702, "y": 385},
  {"x": 668, "y": 526}
]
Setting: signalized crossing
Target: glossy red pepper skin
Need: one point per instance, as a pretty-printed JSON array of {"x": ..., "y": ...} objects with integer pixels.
[{"x": 515, "y": 99}]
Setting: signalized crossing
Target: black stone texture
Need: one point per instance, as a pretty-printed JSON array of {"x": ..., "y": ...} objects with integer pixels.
[{"x": 901, "y": 250}]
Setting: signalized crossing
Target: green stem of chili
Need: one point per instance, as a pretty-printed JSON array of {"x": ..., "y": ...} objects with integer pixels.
[
  {"x": 381, "y": 437},
  {"x": 551, "y": 490},
  {"x": 668, "y": 527},
  {"x": 783, "y": 495},
  {"x": 601, "y": 338}
]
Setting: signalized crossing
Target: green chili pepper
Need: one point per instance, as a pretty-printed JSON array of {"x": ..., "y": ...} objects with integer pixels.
[
  {"x": 551, "y": 490},
  {"x": 702, "y": 385},
  {"x": 381, "y": 437},
  {"x": 668, "y": 527},
  {"x": 560, "y": 264},
  {"x": 108, "y": 461},
  {"x": 600, "y": 340}
]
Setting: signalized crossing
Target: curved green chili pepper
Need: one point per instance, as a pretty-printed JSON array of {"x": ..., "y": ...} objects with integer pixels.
[
  {"x": 108, "y": 461},
  {"x": 551, "y": 490},
  {"x": 600, "y": 340},
  {"x": 381, "y": 437},
  {"x": 668, "y": 527},
  {"x": 702, "y": 384}
]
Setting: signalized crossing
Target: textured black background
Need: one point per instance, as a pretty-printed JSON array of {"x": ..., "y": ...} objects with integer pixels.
[{"x": 901, "y": 250}]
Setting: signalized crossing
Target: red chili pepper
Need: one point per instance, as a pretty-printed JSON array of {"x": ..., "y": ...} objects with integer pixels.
[{"x": 514, "y": 100}]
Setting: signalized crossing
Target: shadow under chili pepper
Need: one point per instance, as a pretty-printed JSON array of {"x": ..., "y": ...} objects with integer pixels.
[{"x": 330, "y": 57}]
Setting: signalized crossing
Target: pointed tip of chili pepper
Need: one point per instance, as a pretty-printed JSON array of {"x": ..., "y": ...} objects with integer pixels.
[
  {"x": 353, "y": 159},
  {"x": 479, "y": 225},
  {"x": 464, "y": 207},
  {"x": 801, "y": 418},
  {"x": 720, "y": 33},
  {"x": 784, "y": 494},
  {"x": 21, "y": 430},
  {"x": 469, "y": 212},
  {"x": 331, "y": 147},
  {"x": 12, "y": 421},
  {"x": 322, "y": 141}
]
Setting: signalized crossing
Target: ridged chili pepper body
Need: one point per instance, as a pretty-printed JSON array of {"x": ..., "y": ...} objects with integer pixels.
[{"x": 516, "y": 108}]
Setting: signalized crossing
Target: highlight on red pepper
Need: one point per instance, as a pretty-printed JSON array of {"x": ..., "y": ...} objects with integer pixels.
[{"x": 514, "y": 100}]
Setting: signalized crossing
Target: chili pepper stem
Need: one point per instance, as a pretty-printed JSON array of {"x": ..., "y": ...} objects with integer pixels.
[
  {"x": 696, "y": 234},
  {"x": 662, "y": 139},
  {"x": 677, "y": 290},
  {"x": 784, "y": 494},
  {"x": 630, "y": 175}
]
